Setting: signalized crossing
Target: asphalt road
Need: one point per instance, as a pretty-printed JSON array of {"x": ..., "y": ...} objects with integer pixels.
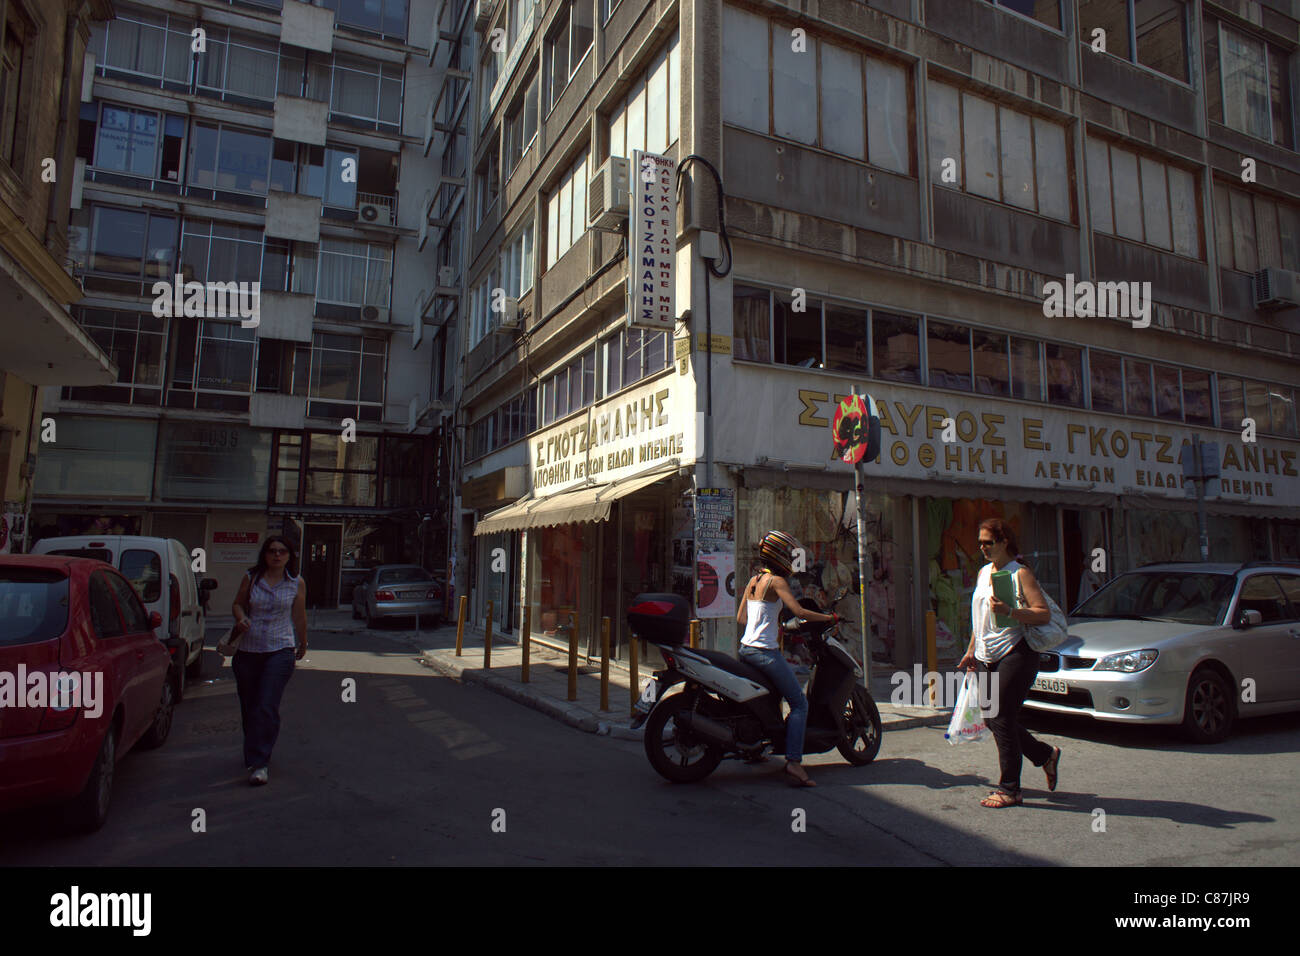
[{"x": 417, "y": 770}]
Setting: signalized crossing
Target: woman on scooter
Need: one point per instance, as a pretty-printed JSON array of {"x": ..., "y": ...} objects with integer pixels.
[{"x": 760, "y": 608}]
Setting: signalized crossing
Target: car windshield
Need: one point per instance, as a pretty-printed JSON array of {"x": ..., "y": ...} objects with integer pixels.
[
  {"x": 33, "y": 605},
  {"x": 1181, "y": 596},
  {"x": 404, "y": 575}
]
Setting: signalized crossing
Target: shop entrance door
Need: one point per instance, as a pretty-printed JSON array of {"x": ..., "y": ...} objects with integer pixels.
[{"x": 322, "y": 546}]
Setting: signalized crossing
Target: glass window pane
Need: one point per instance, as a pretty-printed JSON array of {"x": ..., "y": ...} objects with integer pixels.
[
  {"x": 846, "y": 339},
  {"x": 1051, "y": 166},
  {"x": 1243, "y": 231},
  {"x": 1155, "y": 204},
  {"x": 657, "y": 106},
  {"x": 1161, "y": 36},
  {"x": 1245, "y": 84},
  {"x": 1107, "y": 381},
  {"x": 752, "y": 318},
  {"x": 980, "y": 123},
  {"x": 944, "y": 124},
  {"x": 1281, "y": 403},
  {"x": 1168, "y": 393},
  {"x": 798, "y": 334},
  {"x": 895, "y": 347},
  {"x": 1279, "y": 95},
  {"x": 949, "y": 353},
  {"x": 1183, "y": 212},
  {"x": 1128, "y": 197},
  {"x": 842, "y": 105},
  {"x": 1017, "y": 157},
  {"x": 1064, "y": 375},
  {"x": 1266, "y": 243},
  {"x": 744, "y": 69},
  {"x": 1108, "y": 15},
  {"x": 1026, "y": 370},
  {"x": 1257, "y": 405},
  {"x": 636, "y": 111},
  {"x": 1232, "y": 407},
  {"x": 794, "y": 89},
  {"x": 889, "y": 128},
  {"x": 1137, "y": 387},
  {"x": 991, "y": 372},
  {"x": 1099, "y": 207},
  {"x": 1197, "y": 405},
  {"x": 674, "y": 91}
]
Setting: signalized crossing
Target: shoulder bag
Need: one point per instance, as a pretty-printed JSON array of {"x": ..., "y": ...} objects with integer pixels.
[{"x": 1044, "y": 637}]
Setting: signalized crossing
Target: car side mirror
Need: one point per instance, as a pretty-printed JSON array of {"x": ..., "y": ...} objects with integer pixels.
[
  {"x": 1249, "y": 619},
  {"x": 155, "y": 619},
  {"x": 208, "y": 584}
]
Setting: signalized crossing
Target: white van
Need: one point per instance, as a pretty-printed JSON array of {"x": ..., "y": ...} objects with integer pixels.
[{"x": 159, "y": 568}]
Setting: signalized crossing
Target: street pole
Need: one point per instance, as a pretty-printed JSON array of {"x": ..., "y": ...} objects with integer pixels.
[
  {"x": 864, "y": 567},
  {"x": 1199, "y": 472}
]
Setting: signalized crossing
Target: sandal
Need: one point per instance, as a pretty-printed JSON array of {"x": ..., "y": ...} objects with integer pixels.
[
  {"x": 1050, "y": 768},
  {"x": 997, "y": 800},
  {"x": 794, "y": 779}
]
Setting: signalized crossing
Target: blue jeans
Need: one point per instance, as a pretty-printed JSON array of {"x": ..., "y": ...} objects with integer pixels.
[
  {"x": 773, "y": 664},
  {"x": 260, "y": 680}
]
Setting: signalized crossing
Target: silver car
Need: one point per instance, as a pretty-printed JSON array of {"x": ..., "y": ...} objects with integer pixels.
[
  {"x": 398, "y": 590},
  {"x": 1196, "y": 645}
]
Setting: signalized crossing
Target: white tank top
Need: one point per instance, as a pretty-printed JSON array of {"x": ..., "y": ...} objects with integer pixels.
[
  {"x": 761, "y": 624},
  {"x": 992, "y": 643}
]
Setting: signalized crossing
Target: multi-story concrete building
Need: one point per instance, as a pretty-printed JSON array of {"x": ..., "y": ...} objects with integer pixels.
[
  {"x": 279, "y": 143},
  {"x": 904, "y": 182},
  {"x": 42, "y": 49}
]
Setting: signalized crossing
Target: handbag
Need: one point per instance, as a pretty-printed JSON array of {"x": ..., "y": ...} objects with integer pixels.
[
  {"x": 1044, "y": 637},
  {"x": 227, "y": 646}
]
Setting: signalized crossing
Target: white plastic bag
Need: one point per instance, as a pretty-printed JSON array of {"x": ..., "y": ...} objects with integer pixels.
[{"x": 967, "y": 722}]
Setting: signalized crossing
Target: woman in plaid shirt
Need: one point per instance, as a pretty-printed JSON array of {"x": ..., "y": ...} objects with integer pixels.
[{"x": 271, "y": 615}]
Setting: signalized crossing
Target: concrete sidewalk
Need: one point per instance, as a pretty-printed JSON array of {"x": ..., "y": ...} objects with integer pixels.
[{"x": 548, "y": 685}]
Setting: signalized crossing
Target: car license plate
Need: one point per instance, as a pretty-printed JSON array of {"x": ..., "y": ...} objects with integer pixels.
[
  {"x": 1051, "y": 685},
  {"x": 646, "y": 702},
  {"x": 411, "y": 595}
]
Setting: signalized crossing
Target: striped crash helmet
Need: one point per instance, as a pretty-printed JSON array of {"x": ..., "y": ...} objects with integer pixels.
[{"x": 777, "y": 550}]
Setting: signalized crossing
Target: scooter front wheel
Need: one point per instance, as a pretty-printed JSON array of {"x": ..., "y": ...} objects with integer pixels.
[
  {"x": 676, "y": 753},
  {"x": 862, "y": 742}
]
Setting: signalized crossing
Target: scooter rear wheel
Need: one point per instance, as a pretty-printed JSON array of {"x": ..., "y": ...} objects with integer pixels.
[
  {"x": 865, "y": 730},
  {"x": 677, "y": 754}
]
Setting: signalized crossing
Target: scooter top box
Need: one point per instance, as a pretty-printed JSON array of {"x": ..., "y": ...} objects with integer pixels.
[{"x": 660, "y": 618}]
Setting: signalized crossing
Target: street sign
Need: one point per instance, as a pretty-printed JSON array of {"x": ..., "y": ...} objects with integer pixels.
[{"x": 856, "y": 430}]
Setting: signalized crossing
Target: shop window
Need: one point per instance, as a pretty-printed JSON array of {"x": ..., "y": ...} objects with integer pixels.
[
  {"x": 992, "y": 375},
  {"x": 95, "y": 453},
  {"x": 1137, "y": 387},
  {"x": 895, "y": 347},
  {"x": 1106, "y": 373},
  {"x": 1232, "y": 405},
  {"x": 1150, "y": 32},
  {"x": 846, "y": 338},
  {"x": 948, "y": 348},
  {"x": 1026, "y": 369},
  {"x": 1247, "y": 86},
  {"x": 798, "y": 335},
  {"x": 1064, "y": 375},
  {"x": 752, "y": 316},
  {"x": 1046, "y": 12},
  {"x": 1168, "y": 393},
  {"x": 213, "y": 461},
  {"x": 1198, "y": 407}
]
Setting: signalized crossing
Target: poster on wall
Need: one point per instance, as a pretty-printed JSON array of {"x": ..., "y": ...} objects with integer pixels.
[
  {"x": 715, "y": 552},
  {"x": 235, "y": 547}
]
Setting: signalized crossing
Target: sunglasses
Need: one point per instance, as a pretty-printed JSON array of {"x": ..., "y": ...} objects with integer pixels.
[{"x": 986, "y": 544}]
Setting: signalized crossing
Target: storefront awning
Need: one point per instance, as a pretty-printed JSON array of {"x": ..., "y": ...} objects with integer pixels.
[{"x": 591, "y": 503}]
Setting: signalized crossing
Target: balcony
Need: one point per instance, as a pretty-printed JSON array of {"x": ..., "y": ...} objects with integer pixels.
[
  {"x": 286, "y": 315},
  {"x": 303, "y": 25},
  {"x": 300, "y": 120},
  {"x": 293, "y": 216}
]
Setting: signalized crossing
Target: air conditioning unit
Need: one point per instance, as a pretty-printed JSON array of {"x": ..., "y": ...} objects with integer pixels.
[
  {"x": 607, "y": 196},
  {"x": 446, "y": 276},
  {"x": 374, "y": 214},
  {"x": 1277, "y": 289},
  {"x": 483, "y": 13},
  {"x": 508, "y": 317},
  {"x": 373, "y": 313}
]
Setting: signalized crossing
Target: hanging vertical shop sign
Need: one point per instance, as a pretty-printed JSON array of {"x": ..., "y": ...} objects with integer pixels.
[
  {"x": 652, "y": 283},
  {"x": 715, "y": 552}
]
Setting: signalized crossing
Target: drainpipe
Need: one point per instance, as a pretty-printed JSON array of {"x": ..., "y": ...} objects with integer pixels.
[
  {"x": 31, "y": 477},
  {"x": 61, "y": 133}
]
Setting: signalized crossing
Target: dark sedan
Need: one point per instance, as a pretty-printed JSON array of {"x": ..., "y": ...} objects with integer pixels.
[{"x": 398, "y": 590}]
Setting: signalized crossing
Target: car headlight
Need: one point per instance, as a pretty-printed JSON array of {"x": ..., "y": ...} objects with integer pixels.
[{"x": 1130, "y": 662}]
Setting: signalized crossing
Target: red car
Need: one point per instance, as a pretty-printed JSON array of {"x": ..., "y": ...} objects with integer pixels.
[{"x": 83, "y": 679}]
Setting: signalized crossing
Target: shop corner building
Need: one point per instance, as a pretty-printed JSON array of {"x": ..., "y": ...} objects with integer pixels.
[{"x": 903, "y": 181}]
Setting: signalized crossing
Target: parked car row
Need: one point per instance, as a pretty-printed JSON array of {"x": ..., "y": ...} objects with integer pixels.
[{"x": 103, "y": 631}]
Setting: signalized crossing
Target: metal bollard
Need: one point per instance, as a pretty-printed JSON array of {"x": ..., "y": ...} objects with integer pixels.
[
  {"x": 528, "y": 623},
  {"x": 931, "y": 663},
  {"x": 604, "y": 663},
  {"x": 635, "y": 686},
  {"x": 695, "y": 632},
  {"x": 487, "y": 641},
  {"x": 460, "y": 623},
  {"x": 573, "y": 659}
]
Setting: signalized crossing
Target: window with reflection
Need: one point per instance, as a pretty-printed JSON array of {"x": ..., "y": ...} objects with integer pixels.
[
  {"x": 1137, "y": 387},
  {"x": 895, "y": 347},
  {"x": 1106, "y": 373},
  {"x": 1064, "y": 374},
  {"x": 948, "y": 348}
]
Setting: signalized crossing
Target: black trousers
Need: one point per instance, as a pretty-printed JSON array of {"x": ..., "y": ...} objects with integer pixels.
[{"x": 1016, "y": 672}]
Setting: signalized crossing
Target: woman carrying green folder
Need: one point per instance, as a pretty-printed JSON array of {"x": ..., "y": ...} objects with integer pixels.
[{"x": 997, "y": 640}]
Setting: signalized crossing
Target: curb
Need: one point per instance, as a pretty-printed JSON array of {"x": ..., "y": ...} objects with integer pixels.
[{"x": 582, "y": 719}]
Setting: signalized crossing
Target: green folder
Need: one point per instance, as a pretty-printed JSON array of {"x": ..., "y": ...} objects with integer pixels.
[{"x": 1004, "y": 589}]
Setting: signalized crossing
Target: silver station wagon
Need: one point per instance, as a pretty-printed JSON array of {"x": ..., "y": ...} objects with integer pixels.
[{"x": 1194, "y": 645}]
